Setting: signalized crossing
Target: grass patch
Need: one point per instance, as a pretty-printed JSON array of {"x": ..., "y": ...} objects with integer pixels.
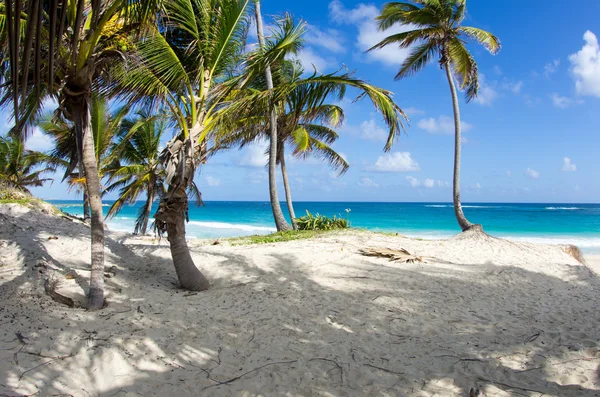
[
  {"x": 12, "y": 196},
  {"x": 279, "y": 237}
]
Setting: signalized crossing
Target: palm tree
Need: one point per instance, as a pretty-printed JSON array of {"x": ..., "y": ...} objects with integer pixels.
[
  {"x": 106, "y": 124},
  {"x": 181, "y": 66},
  {"x": 67, "y": 50},
  {"x": 439, "y": 34},
  {"x": 21, "y": 168},
  {"x": 302, "y": 115},
  {"x": 139, "y": 168},
  {"x": 280, "y": 221}
]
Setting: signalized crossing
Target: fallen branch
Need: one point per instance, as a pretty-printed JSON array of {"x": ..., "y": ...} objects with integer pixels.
[
  {"x": 400, "y": 255},
  {"x": 337, "y": 366},
  {"x": 45, "y": 363},
  {"x": 228, "y": 381},
  {"x": 51, "y": 290},
  {"x": 511, "y": 386}
]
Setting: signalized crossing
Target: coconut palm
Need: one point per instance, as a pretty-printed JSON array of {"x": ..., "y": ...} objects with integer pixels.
[
  {"x": 66, "y": 51},
  {"x": 181, "y": 66},
  {"x": 305, "y": 125},
  {"x": 139, "y": 168},
  {"x": 303, "y": 116},
  {"x": 280, "y": 221},
  {"x": 105, "y": 123},
  {"x": 21, "y": 168},
  {"x": 439, "y": 35}
]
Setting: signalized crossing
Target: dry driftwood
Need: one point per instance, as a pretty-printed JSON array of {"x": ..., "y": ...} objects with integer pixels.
[
  {"x": 394, "y": 255},
  {"x": 51, "y": 290}
]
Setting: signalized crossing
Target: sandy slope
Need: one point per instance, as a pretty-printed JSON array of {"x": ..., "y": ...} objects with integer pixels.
[{"x": 307, "y": 318}]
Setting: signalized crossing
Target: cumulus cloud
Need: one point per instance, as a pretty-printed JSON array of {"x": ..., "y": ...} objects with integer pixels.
[
  {"x": 39, "y": 141},
  {"x": 568, "y": 166},
  {"x": 533, "y": 173},
  {"x": 311, "y": 60},
  {"x": 367, "y": 182},
  {"x": 364, "y": 18},
  {"x": 395, "y": 162},
  {"x": 441, "y": 125},
  {"x": 514, "y": 87},
  {"x": 585, "y": 66},
  {"x": 331, "y": 39},
  {"x": 370, "y": 130},
  {"x": 254, "y": 156},
  {"x": 212, "y": 181},
  {"x": 412, "y": 111},
  {"x": 487, "y": 94},
  {"x": 563, "y": 102},
  {"x": 551, "y": 67},
  {"x": 414, "y": 182},
  {"x": 443, "y": 184}
]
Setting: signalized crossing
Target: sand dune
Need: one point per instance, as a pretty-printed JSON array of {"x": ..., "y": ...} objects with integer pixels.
[{"x": 302, "y": 318}]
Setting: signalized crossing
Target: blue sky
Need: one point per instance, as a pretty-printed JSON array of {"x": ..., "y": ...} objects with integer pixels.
[{"x": 532, "y": 135}]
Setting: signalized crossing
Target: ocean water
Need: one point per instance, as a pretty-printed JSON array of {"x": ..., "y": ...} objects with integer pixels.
[{"x": 577, "y": 224}]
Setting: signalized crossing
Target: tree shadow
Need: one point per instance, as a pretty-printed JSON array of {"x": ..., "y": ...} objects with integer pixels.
[{"x": 274, "y": 323}]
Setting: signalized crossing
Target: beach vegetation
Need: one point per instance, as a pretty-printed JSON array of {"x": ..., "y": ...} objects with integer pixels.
[
  {"x": 438, "y": 35},
  {"x": 317, "y": 221},
  {"x": 20, "y": 168}
]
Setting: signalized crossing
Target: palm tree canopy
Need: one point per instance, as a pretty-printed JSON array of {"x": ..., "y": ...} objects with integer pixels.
[
  {"x": 21, "y": 168},
  {"x": 437, "y": 33},
  {"x": 301, "y": 97}
]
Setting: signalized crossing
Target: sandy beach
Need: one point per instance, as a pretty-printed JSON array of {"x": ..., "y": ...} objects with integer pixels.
[{"x": 301, "y": 318}]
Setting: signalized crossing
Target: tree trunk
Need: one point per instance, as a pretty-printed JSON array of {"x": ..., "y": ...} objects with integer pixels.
[
  {"x": 286, "y": 185},
  {"x": 460, "y": 216},
  {"x": 172, "y": 212},
  {"x": 280, "y": 221},
  {"x": 86, "y": 207},
  {"x": 147, "y": 210},
  {"x": 82, "y": 120}
]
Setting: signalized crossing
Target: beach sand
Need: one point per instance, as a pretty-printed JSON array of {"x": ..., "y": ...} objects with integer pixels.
[{"x": 301, "y": 318}]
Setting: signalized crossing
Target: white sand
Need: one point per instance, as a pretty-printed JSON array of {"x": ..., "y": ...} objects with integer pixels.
[{"x": 303, "y": 318}]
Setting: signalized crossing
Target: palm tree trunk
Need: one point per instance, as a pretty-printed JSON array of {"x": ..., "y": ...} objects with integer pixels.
[
  {"x": 286, "y": 185},
  {"x": 172, "y": 213},
  {"x": 280, "y": 221},
  {"x": 86, "y": 207},
  {"x": 458, "y": 212},
  {"x": 82, "y": 120},
  {"x": 147, "y": 209}
]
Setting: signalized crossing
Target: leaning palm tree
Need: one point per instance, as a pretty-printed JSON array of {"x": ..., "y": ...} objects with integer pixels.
[
  {"x": 439, "y": 34},
  {"x": 21, "y": 168},
  {"x": 67, "y": 49},
  {"x": 105, "y": 126},
  {"x": 138, "y": 169},
  {"x": 181, "y": 65}
]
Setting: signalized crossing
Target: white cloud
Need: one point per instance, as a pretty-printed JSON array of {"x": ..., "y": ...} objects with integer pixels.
[
  {"x": 39, "y": 141},
  {"x": 311, "y": 60},
  {"x": 533, "y": 173},
  {"x": 367, "y": 182},
  {"x": 568, "y": 166},
  {"x": 564, "y": 102},
  {"x": 371, "y": 131},
  {"x": 585, "y": 66},
  {"x": 476, "y": 186},
  {"x": 487, "y": 94},
  {"x": 254, "y": 156},
  {"x": 395, "y": 162},
  {"x": 414, "y": 182},
  {"x": 331, "y": 39},
  {"x": 508, "y": 173},
  {"x": 212, "y": 181},
  {"x": 412, "y": 111},
  {"x": 443, "y": 184},
  {"x": 441, "y": 125},
  {"x": 364, "y": 18},
  {"x": 551, "y": 68},
  {"x": 429, "y": 183},
  {"x": 515, "y": 88}
]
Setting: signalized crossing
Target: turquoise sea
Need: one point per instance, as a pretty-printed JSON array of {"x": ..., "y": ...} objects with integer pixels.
[{"x": 549, "y": 223}]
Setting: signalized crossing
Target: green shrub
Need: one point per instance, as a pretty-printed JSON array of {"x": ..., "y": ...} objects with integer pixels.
[{"x": 321, "y": 222}]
